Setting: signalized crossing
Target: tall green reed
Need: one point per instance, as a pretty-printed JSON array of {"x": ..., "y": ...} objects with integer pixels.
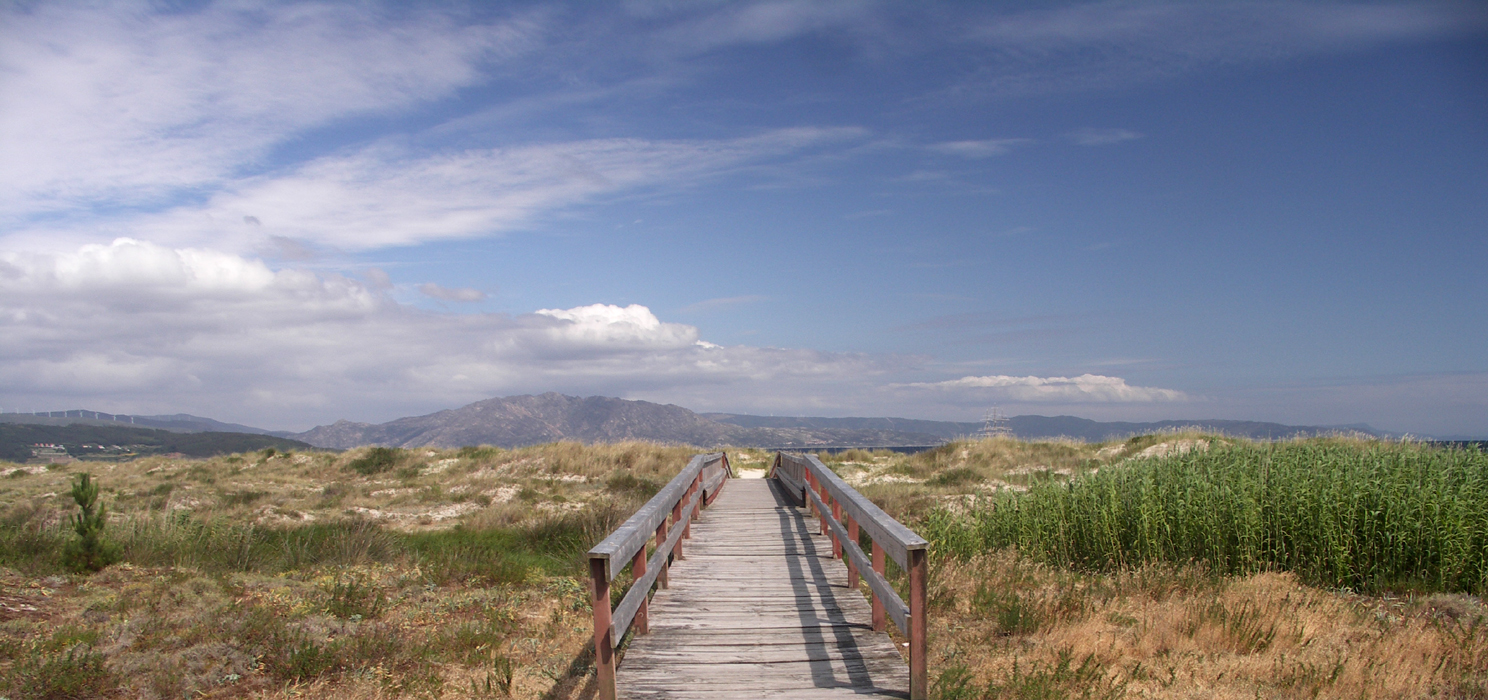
[{"x": 1367, "y": 516}]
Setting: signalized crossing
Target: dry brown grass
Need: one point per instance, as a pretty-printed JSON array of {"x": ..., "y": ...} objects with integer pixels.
[
  {"x": 1177, "y": 632},
  {"x": 171, "y": 633}
]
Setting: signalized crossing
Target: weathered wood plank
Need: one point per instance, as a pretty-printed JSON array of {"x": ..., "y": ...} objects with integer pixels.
[
  {"x": 759, "y": 609},
  {"x": 768, "y": 694}
]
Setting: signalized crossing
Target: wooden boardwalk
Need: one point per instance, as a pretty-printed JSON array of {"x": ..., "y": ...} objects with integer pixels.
[{"x": 759, "y": 608}]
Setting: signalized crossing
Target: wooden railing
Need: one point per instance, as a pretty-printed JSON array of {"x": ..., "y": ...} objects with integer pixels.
[
  {"x": 808, "y": 480},
  {"x": 698, "y": 484}
]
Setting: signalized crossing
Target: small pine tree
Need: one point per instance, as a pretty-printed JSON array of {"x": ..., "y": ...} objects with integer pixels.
[{"x": 89, "y": 552}]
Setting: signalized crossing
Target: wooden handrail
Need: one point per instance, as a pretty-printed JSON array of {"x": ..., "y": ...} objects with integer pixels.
[
  {"x": 806, "y": 478},
  {"x": 698, "y": 484}
]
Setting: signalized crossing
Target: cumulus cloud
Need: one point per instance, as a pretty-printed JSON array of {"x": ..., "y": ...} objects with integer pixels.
[
  {"x": 435, "y": 291},
  {"x": 133, "y": 326},
  {"x": 1084, "y": 388},
  {"x": 609, "y": 326}
]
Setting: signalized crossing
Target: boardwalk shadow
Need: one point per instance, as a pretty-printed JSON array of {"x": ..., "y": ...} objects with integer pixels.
[{"x": 829, "y": 628}]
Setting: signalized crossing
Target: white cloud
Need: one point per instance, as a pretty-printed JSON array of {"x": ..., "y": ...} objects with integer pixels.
[
  {"x": 385, "y": 196},
  {"x": 979, "y": 149},
  {"x": 1101, "y": 137},
  {"x": 126, "y": 103},
  {"x": 606, "y": 325},
  {"x": 436, "y": 291},
  {"x": 1084, "y": 388},
  {"x": 138, "y": 327}
]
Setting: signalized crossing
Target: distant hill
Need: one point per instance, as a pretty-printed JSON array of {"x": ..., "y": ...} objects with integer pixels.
[
  {"x": 527, "y": 420},
  {"x": 514, "y": 421},
  {"x": 84, "y": 440},
  {"x": 1040, "y": 427},
  {"x": 176, "y": 423}
]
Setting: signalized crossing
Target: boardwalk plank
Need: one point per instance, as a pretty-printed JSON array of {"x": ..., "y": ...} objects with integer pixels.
[{"x": 758, "y": 608}]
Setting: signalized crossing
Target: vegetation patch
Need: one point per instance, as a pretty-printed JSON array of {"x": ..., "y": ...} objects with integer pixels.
[
  {"x": 375, "y": 461},
  {"x": 1370, "y": 517},
  {"x": 464, "y": 576}
]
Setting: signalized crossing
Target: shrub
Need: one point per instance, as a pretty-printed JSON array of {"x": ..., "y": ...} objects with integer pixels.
[
  {"x": 353, "y": 599},
  {"x": 376, "y": 461},
  {"x": 77, "y": 674},
  {"x": 626, "y": 483},
  {"x": 956, "y": 477}
]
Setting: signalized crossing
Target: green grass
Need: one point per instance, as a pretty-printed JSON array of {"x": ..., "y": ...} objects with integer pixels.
[{"x": 1365, "y": 516}]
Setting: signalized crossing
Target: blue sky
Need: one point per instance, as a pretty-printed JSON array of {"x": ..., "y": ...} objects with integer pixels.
[{"x": 285, "y": 214}]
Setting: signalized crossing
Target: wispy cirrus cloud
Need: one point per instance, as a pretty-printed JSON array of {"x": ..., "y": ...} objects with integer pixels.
[
  {"x": 707, "y": 305},
  {"x": 985, "y": 148},
  {"x": 125, "y": 104},
  {"x": 760, "y": 22},
  {"x": 1101, "y": 137},
  {"x": 385, "y": 195},
  {"x": 1109, "y": 44},
  {"x": 1086, "y": 388}
]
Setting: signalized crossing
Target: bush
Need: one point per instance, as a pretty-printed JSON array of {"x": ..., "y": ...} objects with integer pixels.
[
  {"x": 77, "y": 674},
  {"x": 626, "y": 483},
  {"x": 956, "y": 477},
  {"x": 376, "y": 461},
  {"x": 353, "y": 599}
]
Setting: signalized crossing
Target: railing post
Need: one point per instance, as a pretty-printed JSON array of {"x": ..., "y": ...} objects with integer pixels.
[
  {"x": 677, "y": 522},
  {"x": 821, "y": 492},
  {"x": 836, "y": 515},
  {"x": 807, "y": 483},
  {"x": 697, "y": 485},
  {"x": 604, "y": 652},
  {"x": 689, "y": 515},
  {"x": 637, "y": 570},
  {"x": 661, "y": 533},
  {"x": 880, "y": 619},
  {"x": 919, "y": 676},
  {"x": 852, "y": 569}
]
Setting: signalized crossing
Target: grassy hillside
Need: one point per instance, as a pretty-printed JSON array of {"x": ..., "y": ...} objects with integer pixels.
[{"x": 457, "y": 574}]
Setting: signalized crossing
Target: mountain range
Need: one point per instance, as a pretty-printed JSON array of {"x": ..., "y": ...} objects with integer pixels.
[{"x": 525, "y": 420}]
